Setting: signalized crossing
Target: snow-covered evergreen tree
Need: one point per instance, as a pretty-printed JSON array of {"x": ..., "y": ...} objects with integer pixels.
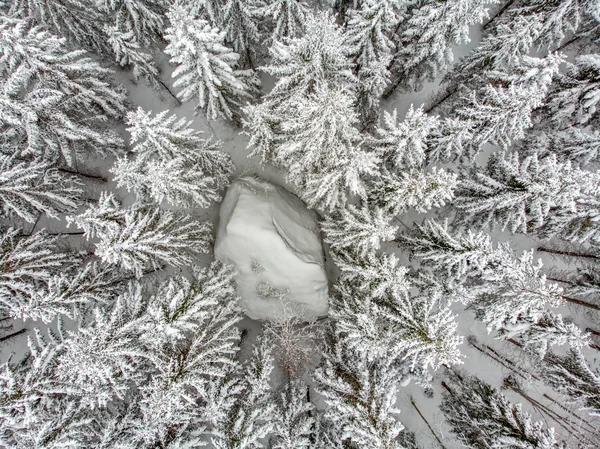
[
  {"x": 251, "y": 416},
  {"x": 361, "y": 229},
  {"x": 128, "y": 53},
  {"x": 29, "y": 189},
  {"x": 206, "y": 67},
  {"x": 286, "y": 18},
  {"x": 376, "y": 274},
  {"x": 240, "y": 22},
  {"x": 482, "y": 418},
  {"x": 294, "y": 423},
  {"x": 515, "y": 294},
  {"x": 573, "y": 98},
  {"x": 420, "y": 330},
  {"x": 360, "y": 396},
  {"x": 573, "y": 376},
  {"x": 369, "y": 32},
  {"x": 458, "y": 255},
  {"x": 174, "y": 181},
  {"x": 519, "y": 193},
  {"x": 55, "y": 100},
  {"x": 500, "y": 111},
  {"x": 145, "y": 19},
  {"x": 164, "y": 137},
  {"x": 139, "y": 237},
  {"x": 413, "y": 189},
  {"x": 427, "y": 36},
  {"x": 552, "y": 330},
  {"x": 404, "y": 144},
  {"x": 81, "y": 21},
  {"x": 319, "y": 57}
]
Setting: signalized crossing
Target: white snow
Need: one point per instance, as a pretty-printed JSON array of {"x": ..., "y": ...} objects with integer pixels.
[{"x": 274, "y": 242}]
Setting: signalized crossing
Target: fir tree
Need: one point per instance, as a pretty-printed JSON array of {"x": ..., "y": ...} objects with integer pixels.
[
  {"x": 28, "y": 190},
  {"x": 458, "y": 255},
  {"x": 240, "y": 23},
  {"x": 362, "y": 229},
  {"x": 360, "y": 397},
  {"x": 206, "y": 68},
  {"x": 413, "y": 189},
  {"x": 100, "y": 360},
  {"x": 427, "y": 36},
  {"x": 143, "y": 19},
  {"x": 251, "y": 416},
  {"x": 520, "y": 193},
  {"x": 403, "y": 144},
  {"x": 286, "y": 18},
  {"x": 128, "y": 53},
  {"x": 164, "y": 137},
  {"x": 573, "y": 97},
  {"x": 294, "y": 423},
  {"x": 573, "y": 376},
  {"x": 173, "y": 181},
  {"x": 376, "y": 274},
  {"x": 482, "y": 418},
  {"x": 319, "y": 57},
  {"x": 81, "y": 21},
  {"x": 139, "y": 236},
  {"x": 515, "y": 294},
  {"x": 54, "y": 99}
]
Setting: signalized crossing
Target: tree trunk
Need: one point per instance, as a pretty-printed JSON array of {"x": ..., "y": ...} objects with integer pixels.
[
  {"x": 568, "y": 253},
  {"x": 498, "y": 14},
  {"x": 569, "y": 42},
  {"x": 165, "y": 87},
  {"x": 579, "y": 302},
  {"x": 449, "y": 94},
  {"x": 428, "y": 425},
  {"x": 83, "y": 175},
  {"x": 14, "y": 334},
  {"x": 592, "y": 331}
]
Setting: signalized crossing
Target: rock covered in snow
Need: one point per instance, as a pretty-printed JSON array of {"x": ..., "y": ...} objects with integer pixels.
[{"x": 273, "y": 241}]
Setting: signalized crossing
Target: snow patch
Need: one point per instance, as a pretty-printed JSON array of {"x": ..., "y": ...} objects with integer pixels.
[{"x": 274, "y": 242}]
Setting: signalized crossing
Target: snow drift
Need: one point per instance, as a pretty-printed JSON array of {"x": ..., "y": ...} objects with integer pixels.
[{"x": 273, "y": 241}]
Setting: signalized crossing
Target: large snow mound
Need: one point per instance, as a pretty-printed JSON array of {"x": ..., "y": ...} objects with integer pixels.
[{"x": 273, "y": 241}]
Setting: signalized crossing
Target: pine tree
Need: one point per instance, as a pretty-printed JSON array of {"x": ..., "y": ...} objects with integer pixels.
[
  {"x": 500, "y": 115},
  {"x": 552, "y": 330},
  {"x": 329, "y": 190},
  {"x": 515, "y": 294},
  {"x": 573, "y": 97},
  {"x": 204, "y": 307},
  {"x": 81, "y": 21},
  {"x": 360, "y": 397},
  {"x": 241, "y": 25},
  {"x": 54, "y": 99},
  {"x": 294, "y": 423},
  {"x": 28, "y": 190},
  {"x": 320, "y": 57},
  {"x": 573, "y": 376},
  {"x": 420, "y": 330},
  {"x": 173, "y": 181},
  {"x": 128, "y": 53},
  {"x": 165, "y": 137},
  {"x": 26, "y": 261},
  {"x": 482, "y": 418},
  {"x": 100, "y": 360},
  {"x": 143, "y": 19},
  {"x": 362, "y": 229},
  {"x": 251, "y": 416},
  {"x": 206, "y": 68},
  {"x": 520, "y": 193},
  {"x": 404, "y": 144},
  {"x": 286, "y": 18},
  {"x": 376, "y": 274},
  {"x": 397, "y": 193},
  {"x": 458, "y": 255},
  {"x": 427, "y": 36},
  {"x": 369, "y": 30},
  {"x": 137, "y": 237}
]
